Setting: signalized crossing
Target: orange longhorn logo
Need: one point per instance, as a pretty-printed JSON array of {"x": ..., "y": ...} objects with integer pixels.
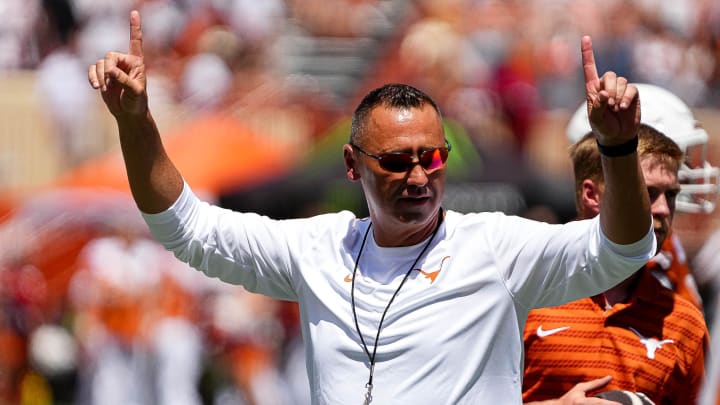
[{"x": 432, "y": 275}]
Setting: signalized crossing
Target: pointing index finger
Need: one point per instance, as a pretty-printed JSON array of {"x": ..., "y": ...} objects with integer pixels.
[
  {"x": 135, "y": 34},
  {"x": 588, "y": 61}
]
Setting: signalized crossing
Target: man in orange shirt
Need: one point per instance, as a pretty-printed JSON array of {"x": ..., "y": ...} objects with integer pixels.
[
  {"x": 649, "y": 339},
  {"x": 699, "y": 182}
]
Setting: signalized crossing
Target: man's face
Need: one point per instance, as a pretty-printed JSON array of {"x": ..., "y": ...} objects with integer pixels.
[
  {"x": 413, "y": 196},
  {"x": 663, "y": 187}
]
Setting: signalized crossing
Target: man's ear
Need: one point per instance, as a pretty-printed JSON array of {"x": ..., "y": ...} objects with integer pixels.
[
  {"x": 591, "y": 197},
  {"x": 350, "y": 164}
]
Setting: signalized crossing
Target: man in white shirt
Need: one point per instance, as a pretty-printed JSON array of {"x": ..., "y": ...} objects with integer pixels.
[{"x": 413, "y": 304}]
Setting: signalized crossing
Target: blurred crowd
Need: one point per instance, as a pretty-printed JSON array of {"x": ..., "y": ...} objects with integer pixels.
[
  {"x": 243, "y": 56},
  {"x": 93, "y": 312}
]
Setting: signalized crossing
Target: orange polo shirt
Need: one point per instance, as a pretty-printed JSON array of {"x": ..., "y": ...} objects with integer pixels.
[{"x": 654, "y": 344}]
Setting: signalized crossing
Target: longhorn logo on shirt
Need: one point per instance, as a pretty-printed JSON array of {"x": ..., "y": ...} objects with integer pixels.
[
  {"x": 651, "y": 344},
  {"x": 430, "y": 275}
]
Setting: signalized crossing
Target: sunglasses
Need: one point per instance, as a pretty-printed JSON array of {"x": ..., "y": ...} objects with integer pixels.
[{"x": 400, "y": 162}]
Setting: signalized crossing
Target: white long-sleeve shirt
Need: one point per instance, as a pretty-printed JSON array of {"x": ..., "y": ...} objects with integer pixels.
[{"x": 453, "y": 335}]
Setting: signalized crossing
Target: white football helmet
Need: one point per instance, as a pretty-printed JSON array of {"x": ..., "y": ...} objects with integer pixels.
[{"x": 666, "y": 112}]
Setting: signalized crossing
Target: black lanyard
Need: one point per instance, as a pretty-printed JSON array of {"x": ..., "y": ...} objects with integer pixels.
[{"x": 371, "y": 357}]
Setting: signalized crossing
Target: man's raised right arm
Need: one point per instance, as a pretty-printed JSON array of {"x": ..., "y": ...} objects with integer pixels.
[{"x": 121, "y": 78}]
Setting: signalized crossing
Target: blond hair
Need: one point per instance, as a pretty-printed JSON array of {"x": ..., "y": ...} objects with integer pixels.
[{"x": 587, "y": 165}]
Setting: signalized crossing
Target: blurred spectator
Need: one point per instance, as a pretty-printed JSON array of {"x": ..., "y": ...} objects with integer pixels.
[
  {"x": 53, "y": 353},
  {"x": 338, "y": 18},
  {"x": 132, "y": 351},
  {"x": 206, "y": 81},
  {"x": 17, "y": 36},
  {"x": 255, "y": 22},
  {"x": 61, "y": 83},
  {"x": 102, "y": 27},
  {"x": 516, "y": 87},
  {"x": 22, "y": 295},
  {"x": 249, "y": 333},
  {"x": 111, "y": 294}
]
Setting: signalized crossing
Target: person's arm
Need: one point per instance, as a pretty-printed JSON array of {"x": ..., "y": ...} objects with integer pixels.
[
  {"x": 121, "y": 78},
  {"x": 614, "y": 114}
]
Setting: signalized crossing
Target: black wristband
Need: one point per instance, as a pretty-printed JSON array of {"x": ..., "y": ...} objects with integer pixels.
[{"x": 623, "y": 149}]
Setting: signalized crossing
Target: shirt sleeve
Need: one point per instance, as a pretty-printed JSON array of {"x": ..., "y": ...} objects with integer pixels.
[
  {"x": 547, "y": 265},
  {"x": 238, "y": 248}
]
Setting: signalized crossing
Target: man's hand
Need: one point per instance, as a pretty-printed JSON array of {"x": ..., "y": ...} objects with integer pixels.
[
  {"x": 578, "y": 394},
  {"x": 121, "y": 77},
  {"x": 154, "y": 180},
  {"x": 613, "y": 104}
]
